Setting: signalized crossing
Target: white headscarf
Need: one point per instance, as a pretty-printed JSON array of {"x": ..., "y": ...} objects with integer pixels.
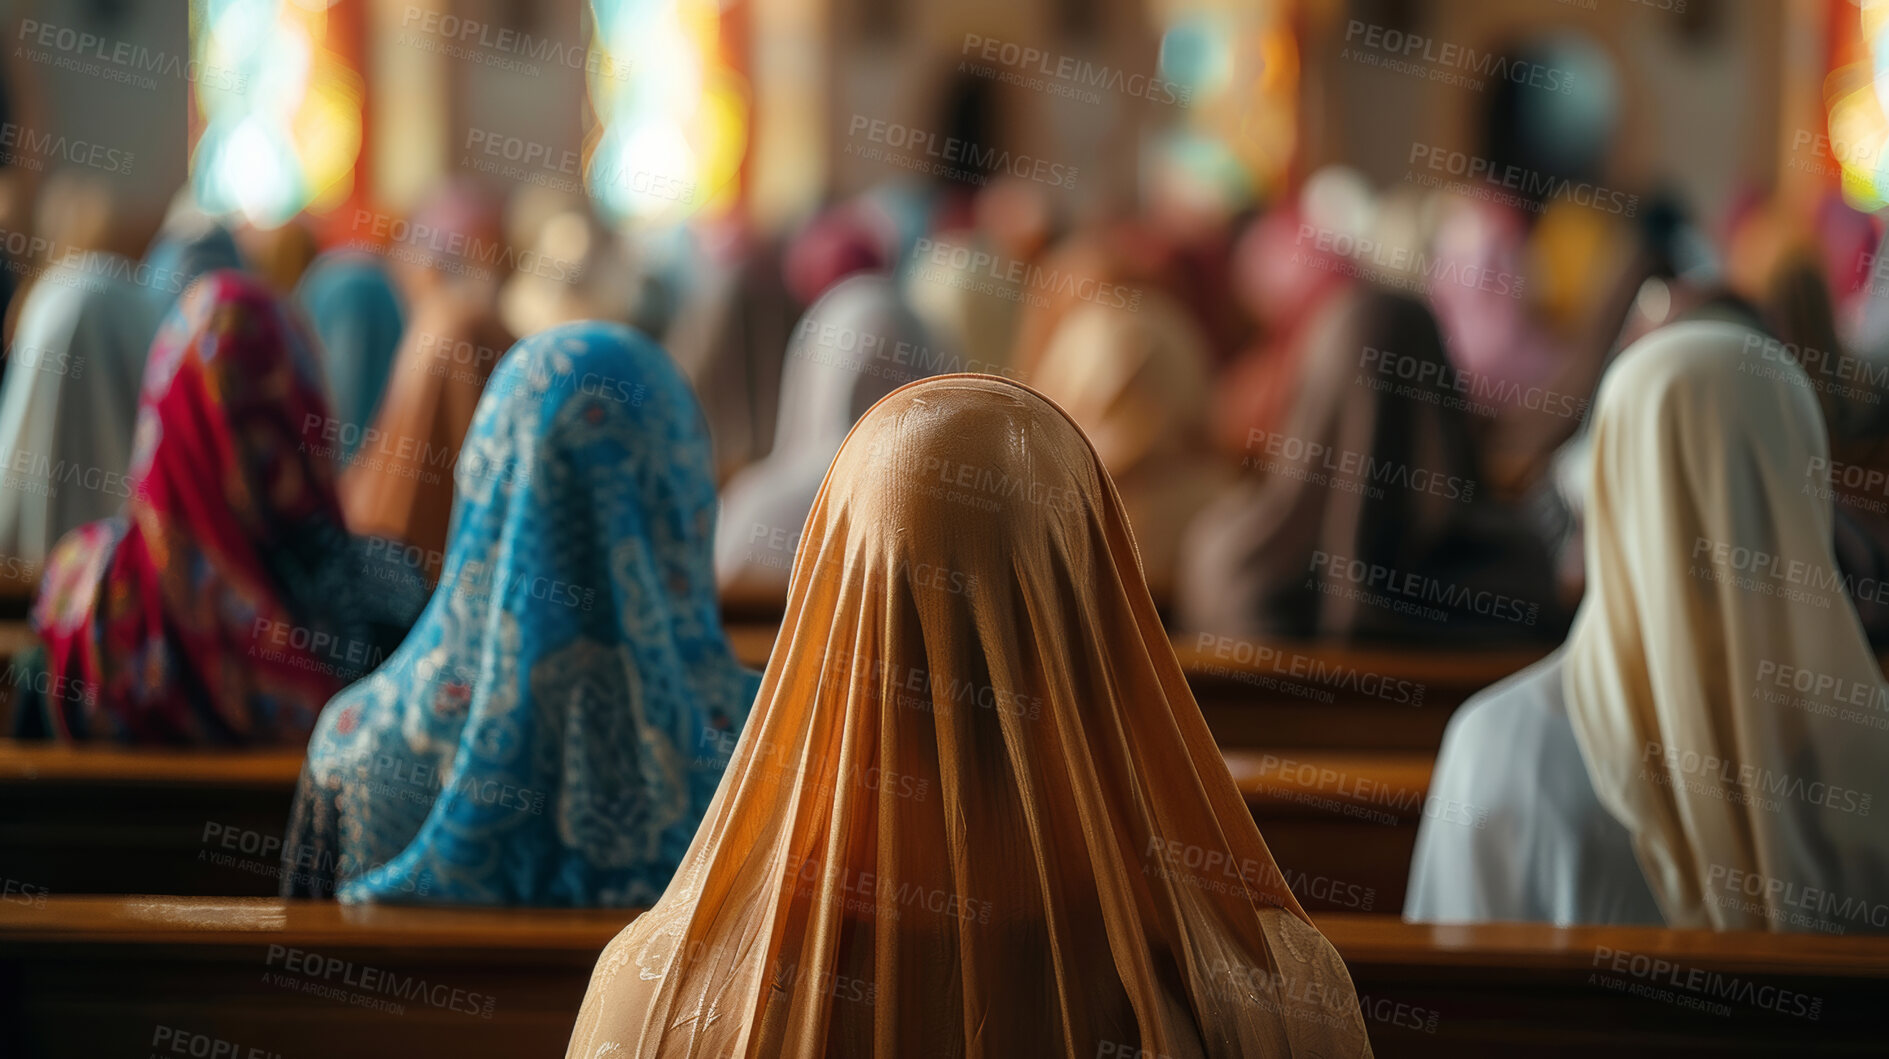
[
  {"x": 1719, "y": 682},
  {"x": 856, "y": 344},
  {"x": 70, "y": 403}
]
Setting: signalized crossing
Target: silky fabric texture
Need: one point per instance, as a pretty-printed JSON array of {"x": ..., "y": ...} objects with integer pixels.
[
  {"x": 1519, "y": 835},
  {"x": 357, "y": 315},
  {"x": 1137, "y": 384},
  {"x": 399, "y": 486},
  {"x": 1368, "y": 518},
  {"x": 553, "y": 727},
  {"x": 977, "y": 811},
  {"x": 856, "y": 344},
  {"x": 1721, "y": 774},
  {"x": 193, "y": 615},
  {"x": 69, "y": 403},
  {"x": 730, "y": 340}
]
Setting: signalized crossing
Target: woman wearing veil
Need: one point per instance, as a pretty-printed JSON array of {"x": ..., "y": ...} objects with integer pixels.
[
  {"x": 68, "y": 404},
  {"x": 1137, "y": 383},
  {"x": 219, "y": 604},
  {"x": 399, "y": 488},
  {"x": 553, "y": 727},
  {"x": 856, "y": 344},
  {"x": 1369, "y": 517},
  {"x": 1704, "y": 749},
  {"x": 976, "y": 810},
  {"x": 350, "y": 299}
]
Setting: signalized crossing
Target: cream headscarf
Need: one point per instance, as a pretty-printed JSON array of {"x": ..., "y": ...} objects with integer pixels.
[
  {"x": 975, "y": 811},
  {"x": 1711, "y": 584},
  {"x": 1137, "y": 384}
]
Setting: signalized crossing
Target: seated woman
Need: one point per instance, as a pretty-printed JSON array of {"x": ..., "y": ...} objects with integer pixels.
[
  {"x": 398, "y": 488},
  {"x": 67, "y": 406},
  {"x": 1669, "y": 764},
  {"x": 1368, "y": 517},
  {"x": 1136, "y": 382},
  {"x": 977, "y": 810},
  {"x": 554, "y": 726},
  {"x": 858, "y": 343},
  {"x": 222, "y": 604},
  {"x": 730, "y": 337},
  {"x": 350, "y": 300}
]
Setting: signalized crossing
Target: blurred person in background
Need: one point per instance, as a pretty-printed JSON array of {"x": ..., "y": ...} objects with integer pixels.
[
  {"x": 859, "y": 342},
  {"x": 1136, "y": 383},
  {"x": 358, "y": 318},
  {"x": 1374, "y": 482},
  {"x": 69, "y": 398},
  {"x": 192, "y": 616}
]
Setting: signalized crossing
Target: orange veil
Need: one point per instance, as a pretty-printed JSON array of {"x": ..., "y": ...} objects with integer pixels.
[{"x": 975, "y": 811}]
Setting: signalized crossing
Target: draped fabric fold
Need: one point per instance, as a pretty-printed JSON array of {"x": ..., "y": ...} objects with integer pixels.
[
  {"x": 216, "y": 606},
  {"x": 1710, "y": 572},
  {"x": 976, "y": 810},
  {"x": 553, "y": 727}
]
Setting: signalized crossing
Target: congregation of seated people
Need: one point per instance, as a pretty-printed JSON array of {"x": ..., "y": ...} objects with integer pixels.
[{"x": 491, "y": 554}]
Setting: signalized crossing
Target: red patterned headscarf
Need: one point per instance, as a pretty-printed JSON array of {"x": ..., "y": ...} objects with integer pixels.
[{"x": 207, "y": 610}]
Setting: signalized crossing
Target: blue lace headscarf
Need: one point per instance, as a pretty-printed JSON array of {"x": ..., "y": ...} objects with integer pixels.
[{"x": 554, "y": 727}]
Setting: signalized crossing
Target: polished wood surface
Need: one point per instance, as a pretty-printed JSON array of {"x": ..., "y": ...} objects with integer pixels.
[
  {"x": 102, "y": 819},
  {"x": 101, "y": 976},
  {"x": 1276, "y": 695},
  {"x": 147, "y": 766},
  {"x": 1341, "y": 824},
  {"x": 1382, "y": 785}
]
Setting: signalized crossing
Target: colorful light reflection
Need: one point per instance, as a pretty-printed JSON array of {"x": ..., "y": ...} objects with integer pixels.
[
  {"x": 284, "y": 134},
  {"x": 672, "y": 132}
]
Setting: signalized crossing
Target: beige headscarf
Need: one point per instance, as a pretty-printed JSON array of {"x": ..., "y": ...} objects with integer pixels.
[
  {"x": 1711, "y": 587},
  {"x": 975, "y": 811},
  {"x": 1137, "y": 384},
  {"x": 400, "y": 484}
]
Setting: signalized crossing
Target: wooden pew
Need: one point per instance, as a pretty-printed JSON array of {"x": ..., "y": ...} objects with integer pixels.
[
  {"x": 1341, "y": 825},
  {"x": 305, "y": 980},
  {"x": 107, "y": 820},
  {"x": 291, "y": 980},
  {"x": 100, "y": 819},
  {"x": 1539, "y": 990},
  {"x": 1314, "y": 696},
  {"x": 1305, "y": 696}
]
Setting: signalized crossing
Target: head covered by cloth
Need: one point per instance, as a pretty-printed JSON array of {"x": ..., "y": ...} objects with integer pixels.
[
  {"x": 856, "y": 344},
  {"x": 553, "y": 727},
  {"x": 214, "y": 607},
  {"x": 350, "y": 299},
  {"x": 1369, "y": 517},
  {"x": 189, "y": 247},
  {"x": 1712, "y": 590},
  {"x": 399, "y": 485},
  {"x": 69, "y": 403},
  {"x": 976, "y": 810},
  {"x": 1138, "y": 385}
]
